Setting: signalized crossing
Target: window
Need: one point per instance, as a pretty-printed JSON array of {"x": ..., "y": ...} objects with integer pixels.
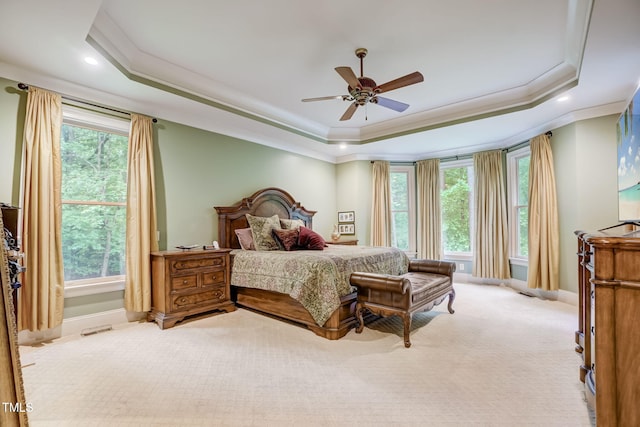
[
  {"x": 403, "y": 234},
  {"x": 456, "y": 200},
  {"x": 94, "y": 187},
  {"x": 518, "y": 172}
]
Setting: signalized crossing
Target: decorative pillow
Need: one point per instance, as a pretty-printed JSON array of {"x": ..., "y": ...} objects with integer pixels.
[
  {"x": 245, "y": 238},
  {"x": 290, "y": 224},
  {"x": 287, "y": 238},
  {"x": 261, "y": 229},
  {"x": 309, "y": 239}
]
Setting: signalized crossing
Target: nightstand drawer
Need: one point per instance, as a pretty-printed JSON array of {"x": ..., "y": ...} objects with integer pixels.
[
  {"x": 181, "y": 302},
  {"x": 184, "y": 282},
  {"x": 213, "y": 278},
  {"x": 188, "y": 264}
]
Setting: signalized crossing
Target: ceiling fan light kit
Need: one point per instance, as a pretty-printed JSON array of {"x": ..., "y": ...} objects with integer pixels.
[{"x": 363, "y": 90}]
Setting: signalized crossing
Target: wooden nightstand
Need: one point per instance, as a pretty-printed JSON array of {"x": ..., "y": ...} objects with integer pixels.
[
  {"x": 186, "y": 283},
  {"x": 351, "y": 242}
]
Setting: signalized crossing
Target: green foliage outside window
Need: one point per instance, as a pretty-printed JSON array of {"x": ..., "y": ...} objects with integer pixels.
[
  {"x": 400, "y": 210},
  {"x": 94, "y": 187},
  {"x": 523, "y": 205},
  {"x": 455, "y": 202}
]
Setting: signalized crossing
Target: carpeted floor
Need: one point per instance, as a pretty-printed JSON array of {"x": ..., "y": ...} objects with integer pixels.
[{"x": 503, "y": 359}]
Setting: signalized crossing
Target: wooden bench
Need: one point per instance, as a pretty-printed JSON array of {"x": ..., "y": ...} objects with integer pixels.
[{"x": 426, "y": 285}]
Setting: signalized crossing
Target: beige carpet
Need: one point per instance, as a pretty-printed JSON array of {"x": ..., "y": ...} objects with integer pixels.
[{"x": 503, "y": 359}]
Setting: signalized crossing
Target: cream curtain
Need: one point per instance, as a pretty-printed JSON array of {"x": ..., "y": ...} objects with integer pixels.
[
  {"x": 429, "y": 217},
  {"x": 491, "y": 253},
  {"x": 381, "y": 206},
  {"x": 544, "y": 245},
  {"x": 42, "y": 293},
  {"x": 141, "y": 215}
]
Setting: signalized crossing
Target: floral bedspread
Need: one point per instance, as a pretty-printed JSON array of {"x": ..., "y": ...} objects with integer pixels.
[{"x": 316, "y": 279}]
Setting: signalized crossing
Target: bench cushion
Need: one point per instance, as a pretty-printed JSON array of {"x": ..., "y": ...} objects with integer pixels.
[{"x": 423, "y": 285}]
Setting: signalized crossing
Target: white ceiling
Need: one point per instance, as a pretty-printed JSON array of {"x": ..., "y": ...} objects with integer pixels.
[{"x": 494, "y": 70}]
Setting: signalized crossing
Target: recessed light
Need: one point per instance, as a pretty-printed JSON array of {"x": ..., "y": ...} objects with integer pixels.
[
  {"x": 91, "y": 60},
  {"x": 343, "y": 146},
  {"x": 563, "y": 98}
]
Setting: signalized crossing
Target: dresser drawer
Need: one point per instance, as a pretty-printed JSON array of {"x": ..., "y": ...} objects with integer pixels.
[
  {"x": 188, "y": 264},
  {"x": 184, "y": 282},
  {"x": 182, "y": 302},
  {"x": 213, "y": 278}
]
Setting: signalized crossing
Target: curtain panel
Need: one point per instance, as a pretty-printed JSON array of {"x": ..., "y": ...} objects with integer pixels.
[
  {"x": 42, "y": 293},
  {"x": 491, "y": 250},
  {"x": 429, "y": 225},
  {"x": 381, "y": 206},
  {"x": 544, "y": 242},
  {"x": 141, "y": 215}
]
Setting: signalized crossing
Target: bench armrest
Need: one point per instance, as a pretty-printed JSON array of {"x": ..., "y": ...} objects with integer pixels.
[
  {"x": 432, "y": 266},
  {"x": 380, "y": 282}
]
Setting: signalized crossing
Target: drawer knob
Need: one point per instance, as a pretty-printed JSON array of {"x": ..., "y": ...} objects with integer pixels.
[{"x": 184, "y": 282}]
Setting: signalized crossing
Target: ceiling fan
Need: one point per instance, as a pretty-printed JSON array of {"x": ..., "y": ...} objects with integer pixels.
[{"x": 364, "y": 89}]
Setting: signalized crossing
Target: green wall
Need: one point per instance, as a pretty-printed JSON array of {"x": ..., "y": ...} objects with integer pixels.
[
  {"x": 197, "y": 170},
  {"x": 353, "y": 193},
  {"x": 585, "y": 163},
  {"x": 12, "y": 111}
]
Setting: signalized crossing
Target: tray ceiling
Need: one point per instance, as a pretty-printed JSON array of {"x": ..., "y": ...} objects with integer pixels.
[{"x": 493, "y": 71}]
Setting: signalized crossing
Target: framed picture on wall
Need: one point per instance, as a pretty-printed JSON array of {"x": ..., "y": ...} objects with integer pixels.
[
  {"x": 347, "y": 228},
  {"x": 347, "y": 216}
]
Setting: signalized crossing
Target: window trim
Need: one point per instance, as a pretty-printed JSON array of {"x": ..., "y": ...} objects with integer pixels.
[
  {"x": 411, "y": 208},
  {"x": 81, "y": 117},
  {"x": 512, "y": 197}
]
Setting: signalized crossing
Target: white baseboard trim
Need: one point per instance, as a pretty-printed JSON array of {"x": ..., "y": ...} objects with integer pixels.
[
  {"x": 566, "y": 297},
  {"x": 75, "y": 325}
]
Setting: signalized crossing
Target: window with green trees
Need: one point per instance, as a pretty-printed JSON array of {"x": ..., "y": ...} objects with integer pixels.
[
  {"x": 456, "y": 201},
  {"x": 402, "y": 211},
  {"x": 94, "y": 188},
  {"x": 518, "y": 171}
]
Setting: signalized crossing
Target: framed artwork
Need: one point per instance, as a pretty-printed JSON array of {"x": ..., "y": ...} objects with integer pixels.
[
  {"x": 347, "y": 229},
  {"x": 347, "y": 216}
]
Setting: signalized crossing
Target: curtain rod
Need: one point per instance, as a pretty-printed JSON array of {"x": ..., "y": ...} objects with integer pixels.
[
  {"x": 469, "y": 156},
  {"x": 26, "y": 87}
]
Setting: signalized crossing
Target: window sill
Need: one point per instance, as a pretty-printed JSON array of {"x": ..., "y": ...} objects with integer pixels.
[
  {"x": 458, "y": 257},
  {"x": 84, "y": 289},
  {"x": 519, "y": 261}
]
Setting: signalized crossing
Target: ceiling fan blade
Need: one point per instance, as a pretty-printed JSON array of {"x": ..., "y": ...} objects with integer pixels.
[
  {"x": 407, "y": 80},
  {"x": 349, "y": 76},
  {"x": 324, "y": 98},
  {"x": 349, "y": 113},
  {"x": 390, "y": 103}
]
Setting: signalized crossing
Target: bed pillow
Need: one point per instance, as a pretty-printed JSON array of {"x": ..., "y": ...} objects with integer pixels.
[
  {"x": 261, "y": 230},
  {"x": 290, "y": 224},
  {"x": 309, "y": 239},
  {"x": 287, "y": 238},
  {"x": 245, "y": 238}
]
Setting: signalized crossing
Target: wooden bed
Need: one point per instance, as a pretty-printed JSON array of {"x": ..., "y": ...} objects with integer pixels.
[{"x": 267, "y": 202}]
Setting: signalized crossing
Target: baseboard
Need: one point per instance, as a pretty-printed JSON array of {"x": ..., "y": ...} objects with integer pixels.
[
  {"x": 566, "y": 297},
  {"x": 75, "y": 325}
]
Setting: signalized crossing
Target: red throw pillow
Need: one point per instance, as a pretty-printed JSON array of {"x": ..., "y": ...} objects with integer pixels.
[
  {"x": 287, "y": 238},
  {"x": 309, "y": 239}
]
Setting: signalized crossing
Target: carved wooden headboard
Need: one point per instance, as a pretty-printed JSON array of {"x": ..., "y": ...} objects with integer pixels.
[{"x": 265, "y": 202}]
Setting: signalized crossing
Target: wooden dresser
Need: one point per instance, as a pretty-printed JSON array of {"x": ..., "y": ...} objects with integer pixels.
[
  {"x": 348, "y": 242},
  {"x": 608, "y": 335},
  {"x": 186, "y": 283}
]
